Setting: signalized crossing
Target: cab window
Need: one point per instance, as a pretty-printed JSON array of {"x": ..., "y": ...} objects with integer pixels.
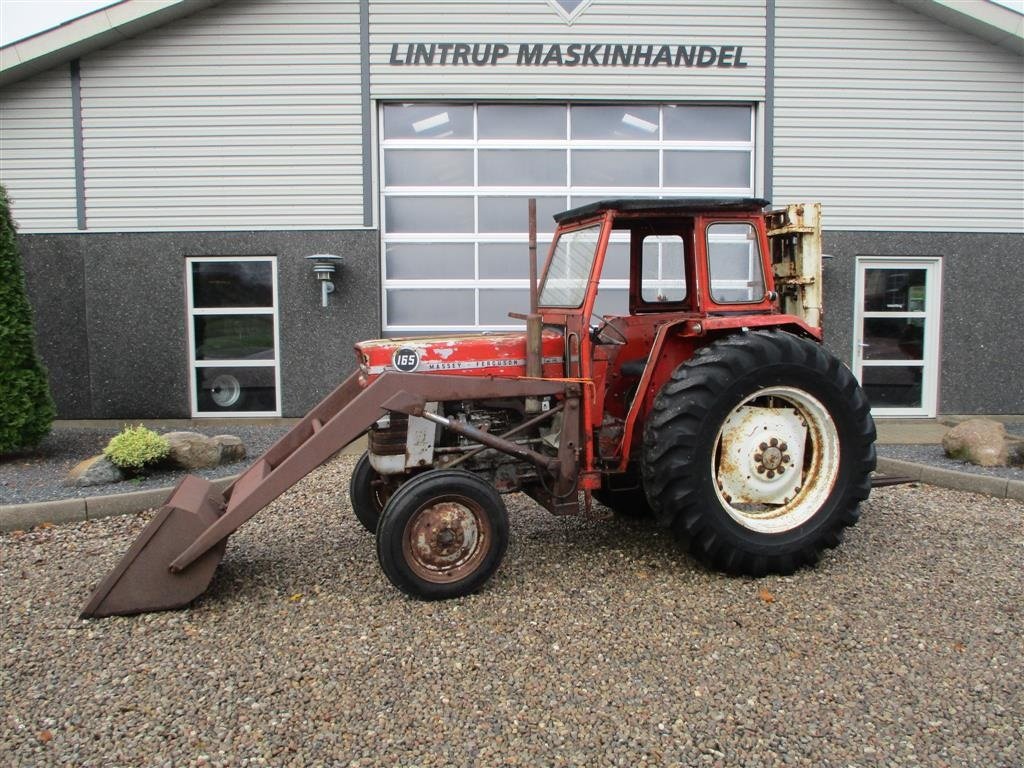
[{"x": 734, "y": 264}]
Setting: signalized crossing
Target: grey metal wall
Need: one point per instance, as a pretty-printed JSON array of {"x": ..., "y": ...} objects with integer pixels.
[
  {"x": 645, "y": 22},
  {"x": 981, "y": 340},
  {"x": 114, "y": 337},
  {"x": 896, "y": 121}
]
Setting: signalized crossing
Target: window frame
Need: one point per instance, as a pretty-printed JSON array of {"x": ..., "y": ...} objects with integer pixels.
[
  {"x": 194, "y": 312},
  {"x": 571, "y": 196}
]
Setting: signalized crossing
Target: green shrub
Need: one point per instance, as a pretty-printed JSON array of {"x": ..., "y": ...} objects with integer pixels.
[
  {"x": 136, "y": 447},
  {"x": 26, "y": 408}
]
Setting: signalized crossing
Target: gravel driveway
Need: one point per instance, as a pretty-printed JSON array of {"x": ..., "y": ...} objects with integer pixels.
[{"x": 595, "y": 644}]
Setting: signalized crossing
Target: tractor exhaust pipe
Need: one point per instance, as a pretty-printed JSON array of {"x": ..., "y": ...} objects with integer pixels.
[{"x": 533, "y": 322}]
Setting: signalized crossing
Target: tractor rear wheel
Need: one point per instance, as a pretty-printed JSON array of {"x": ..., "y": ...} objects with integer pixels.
[
  {"x": 443, "y": 534},
  {"x": 368, "y": 493},
  {"x": 758, "y": 451}
]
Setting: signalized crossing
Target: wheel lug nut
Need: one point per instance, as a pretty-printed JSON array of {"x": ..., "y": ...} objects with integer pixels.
[
  {"x": 763, "y": 446},
  {"x": 774, "y": 441},
  {"x": 771, "y": 474},
  {"x": 785, "y": 457},
  {"x": 783, "y": 447},
  {"x": 760, "y": 469},
  {"x": 758, "y": 457}
]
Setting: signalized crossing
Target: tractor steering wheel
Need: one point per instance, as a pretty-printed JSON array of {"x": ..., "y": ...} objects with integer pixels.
[{"x": 606, "y": 333}]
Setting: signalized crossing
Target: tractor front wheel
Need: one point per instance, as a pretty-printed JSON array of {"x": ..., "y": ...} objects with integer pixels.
[
  {"x": 368, "y": 493},
  {"x": 758, "y": 451},
  {"x": 443, "y": 534}
]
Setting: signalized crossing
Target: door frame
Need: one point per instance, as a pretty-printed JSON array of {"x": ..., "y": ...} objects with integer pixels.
[{"x": 932, "y": 326}]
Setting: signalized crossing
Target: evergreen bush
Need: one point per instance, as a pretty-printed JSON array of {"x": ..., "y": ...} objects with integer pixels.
[
  {"x": 26, "y": 408},
  {"x": 136, "y": 447}
]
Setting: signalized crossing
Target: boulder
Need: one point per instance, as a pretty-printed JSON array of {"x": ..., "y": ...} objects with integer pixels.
[
  {"x": 978, "y": 441},
  {"x": 191, "y": 450},
  {"x": 96, "y": 470},
  {"x": 231, "y": 448}
]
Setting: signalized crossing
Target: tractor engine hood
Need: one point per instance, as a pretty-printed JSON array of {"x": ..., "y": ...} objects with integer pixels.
[{"x": 488, "y": 354}]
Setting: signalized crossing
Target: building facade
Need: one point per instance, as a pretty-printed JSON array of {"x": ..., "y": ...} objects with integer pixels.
[{"x": 172, "y": 166}]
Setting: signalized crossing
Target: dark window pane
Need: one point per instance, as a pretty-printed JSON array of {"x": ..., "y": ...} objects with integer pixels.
[
  {"x": 894, "y": 338},
  {"x": 893, "y": 386},
  {"x": 222, "y": 284},
  {"x": 234, "y": 337},
  {"x": 894, "y": 290},
  {"x": 236, "y": 389}
]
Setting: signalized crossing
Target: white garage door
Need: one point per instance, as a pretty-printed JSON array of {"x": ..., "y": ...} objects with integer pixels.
[{"x": 456, "y": 178}]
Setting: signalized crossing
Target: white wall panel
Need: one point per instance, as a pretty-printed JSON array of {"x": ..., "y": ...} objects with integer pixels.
[
  {"x": 243, "y": 116},
  {"x": 896, "y": 121},
  {"x": 37, "y": 153},
  {"x": 684, "y": 22}
]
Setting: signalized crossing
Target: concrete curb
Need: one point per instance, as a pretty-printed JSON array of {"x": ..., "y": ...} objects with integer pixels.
[
  {"x": 1000, "y": 487},
  {"x": 22, "y": 517}
]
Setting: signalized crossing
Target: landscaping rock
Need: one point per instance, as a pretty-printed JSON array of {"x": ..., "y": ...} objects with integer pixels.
[
  {"x": 978, "y": 441},
  {"x": 231, "y": 448},
  {"x": 191, "y": 450},
  {"x": 97, "y": 470}
]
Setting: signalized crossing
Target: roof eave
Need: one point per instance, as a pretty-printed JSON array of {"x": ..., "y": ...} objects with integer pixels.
[
  {"x": 88, "y": 33},
  {"x": 990, "y": 21}
]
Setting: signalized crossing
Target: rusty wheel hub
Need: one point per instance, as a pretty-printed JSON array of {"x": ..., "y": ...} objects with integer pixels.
[{"x": 447, "y": 540}]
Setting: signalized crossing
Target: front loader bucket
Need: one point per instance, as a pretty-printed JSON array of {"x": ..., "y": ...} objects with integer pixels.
[{"x": 143, "y": 581}]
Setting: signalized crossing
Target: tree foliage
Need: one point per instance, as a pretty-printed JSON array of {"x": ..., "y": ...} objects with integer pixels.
[{"x": 26, "y": 407}]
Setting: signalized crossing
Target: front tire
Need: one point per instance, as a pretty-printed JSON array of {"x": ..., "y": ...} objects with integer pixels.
[
  {"x": 758, "y": 451},
  {"x": 368, "y": 493},
  {"x": 443, "y": 534}
]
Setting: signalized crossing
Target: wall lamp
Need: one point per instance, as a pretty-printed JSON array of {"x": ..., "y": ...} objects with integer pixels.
[{"x": 324, "y": 267}]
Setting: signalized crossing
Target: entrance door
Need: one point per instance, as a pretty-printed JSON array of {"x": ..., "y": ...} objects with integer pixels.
[{"x": 896, "y": 334}]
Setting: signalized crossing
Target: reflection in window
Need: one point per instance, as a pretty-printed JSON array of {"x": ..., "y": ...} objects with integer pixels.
[
  {"x": 734, "y": 264},
  {"x": 233, "y": 336},
  {"x": 566, "y": 281}
]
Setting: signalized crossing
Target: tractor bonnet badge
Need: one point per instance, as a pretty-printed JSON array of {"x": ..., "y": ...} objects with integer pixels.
[{"x": 406, "y": 359}]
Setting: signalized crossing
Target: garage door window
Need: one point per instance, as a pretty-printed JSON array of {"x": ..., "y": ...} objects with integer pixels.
[
  {"x": 233, "y": 336},
  {"x": 456, "y": 178}
]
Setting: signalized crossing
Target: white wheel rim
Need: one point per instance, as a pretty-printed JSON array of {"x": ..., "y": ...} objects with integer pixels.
[
  {"x": 225, "y": 390},
  {"x": 775, "y": 460}
]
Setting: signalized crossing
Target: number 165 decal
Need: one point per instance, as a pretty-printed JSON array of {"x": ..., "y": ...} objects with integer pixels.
[{"x": 406, "y": 359}]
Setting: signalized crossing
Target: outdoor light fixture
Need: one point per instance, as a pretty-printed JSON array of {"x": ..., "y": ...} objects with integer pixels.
[{"x": 324, "y": 267}]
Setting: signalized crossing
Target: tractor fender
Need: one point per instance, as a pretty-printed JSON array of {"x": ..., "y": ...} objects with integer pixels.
[{"x": 676, "y": 342}]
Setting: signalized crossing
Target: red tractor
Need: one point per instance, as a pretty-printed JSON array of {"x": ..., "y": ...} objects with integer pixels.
[{"x": 704, "y": 400}]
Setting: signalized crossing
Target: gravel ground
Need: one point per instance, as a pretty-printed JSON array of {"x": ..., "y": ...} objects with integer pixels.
[
  {"x": 595, "y": 644},
  {"x": 37, "y": 475},
  {"x": 934, "y": 456}
]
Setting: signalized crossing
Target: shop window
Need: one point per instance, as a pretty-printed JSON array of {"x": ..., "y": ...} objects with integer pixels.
[
  {"x": 233, "y": 336},
  {"x": 456, "y": 178}
]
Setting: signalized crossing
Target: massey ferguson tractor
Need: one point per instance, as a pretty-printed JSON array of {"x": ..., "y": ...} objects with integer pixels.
[{"x": 704, "y": 400}]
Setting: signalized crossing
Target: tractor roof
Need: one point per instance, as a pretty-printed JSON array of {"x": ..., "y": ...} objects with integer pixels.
[{"x": 673, "y": 206}]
